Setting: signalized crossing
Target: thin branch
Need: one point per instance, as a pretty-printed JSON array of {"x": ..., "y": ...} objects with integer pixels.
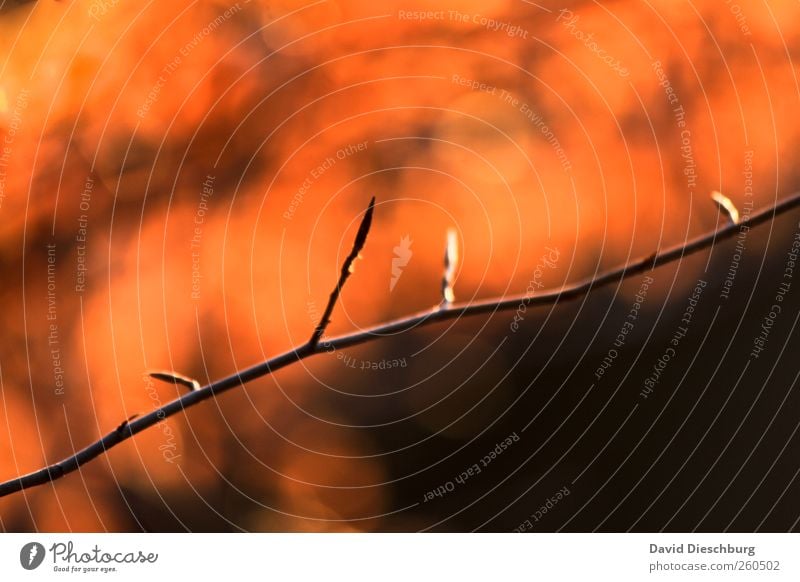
[
  {"x": 135, "y": 425},
  {"x": 175, "y": 378},
  {"x": 347, "y": 269}
]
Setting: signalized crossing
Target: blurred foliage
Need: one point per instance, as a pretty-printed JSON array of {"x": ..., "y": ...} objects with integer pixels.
[{"x": 146, "y": 101}]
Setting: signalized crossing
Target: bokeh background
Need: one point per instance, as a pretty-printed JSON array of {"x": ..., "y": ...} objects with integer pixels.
[{"x": 180, "y": 181}]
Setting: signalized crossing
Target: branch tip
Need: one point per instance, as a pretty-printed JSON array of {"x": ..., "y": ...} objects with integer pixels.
[
  {"x": 348, "y": 268},
  {"x": 175, "y": 378},
  {"x": 727, "y": 205},
  {"x": 363, "y": 229},
  {"x": 450, "y": 265}
]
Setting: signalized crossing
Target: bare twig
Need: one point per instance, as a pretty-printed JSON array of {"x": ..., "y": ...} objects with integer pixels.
[
  {"x": 347, "y": 269},
  {"x": 175, "y": 378},
  {"x": 136, "y": 425}
]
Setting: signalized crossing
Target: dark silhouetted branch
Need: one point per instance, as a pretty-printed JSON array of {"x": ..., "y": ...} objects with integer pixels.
[
  {"x": 136, "y": 425},
  {"x": 347, "y": 269}
]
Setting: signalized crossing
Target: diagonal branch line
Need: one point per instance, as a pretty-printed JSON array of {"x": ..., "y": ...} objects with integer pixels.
[
  {"x": 135, "y": 425},
  {"x": 347, "y": 269}
]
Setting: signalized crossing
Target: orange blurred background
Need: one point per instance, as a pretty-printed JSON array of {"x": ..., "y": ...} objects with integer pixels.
[{"x": 200, "y": 169}]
